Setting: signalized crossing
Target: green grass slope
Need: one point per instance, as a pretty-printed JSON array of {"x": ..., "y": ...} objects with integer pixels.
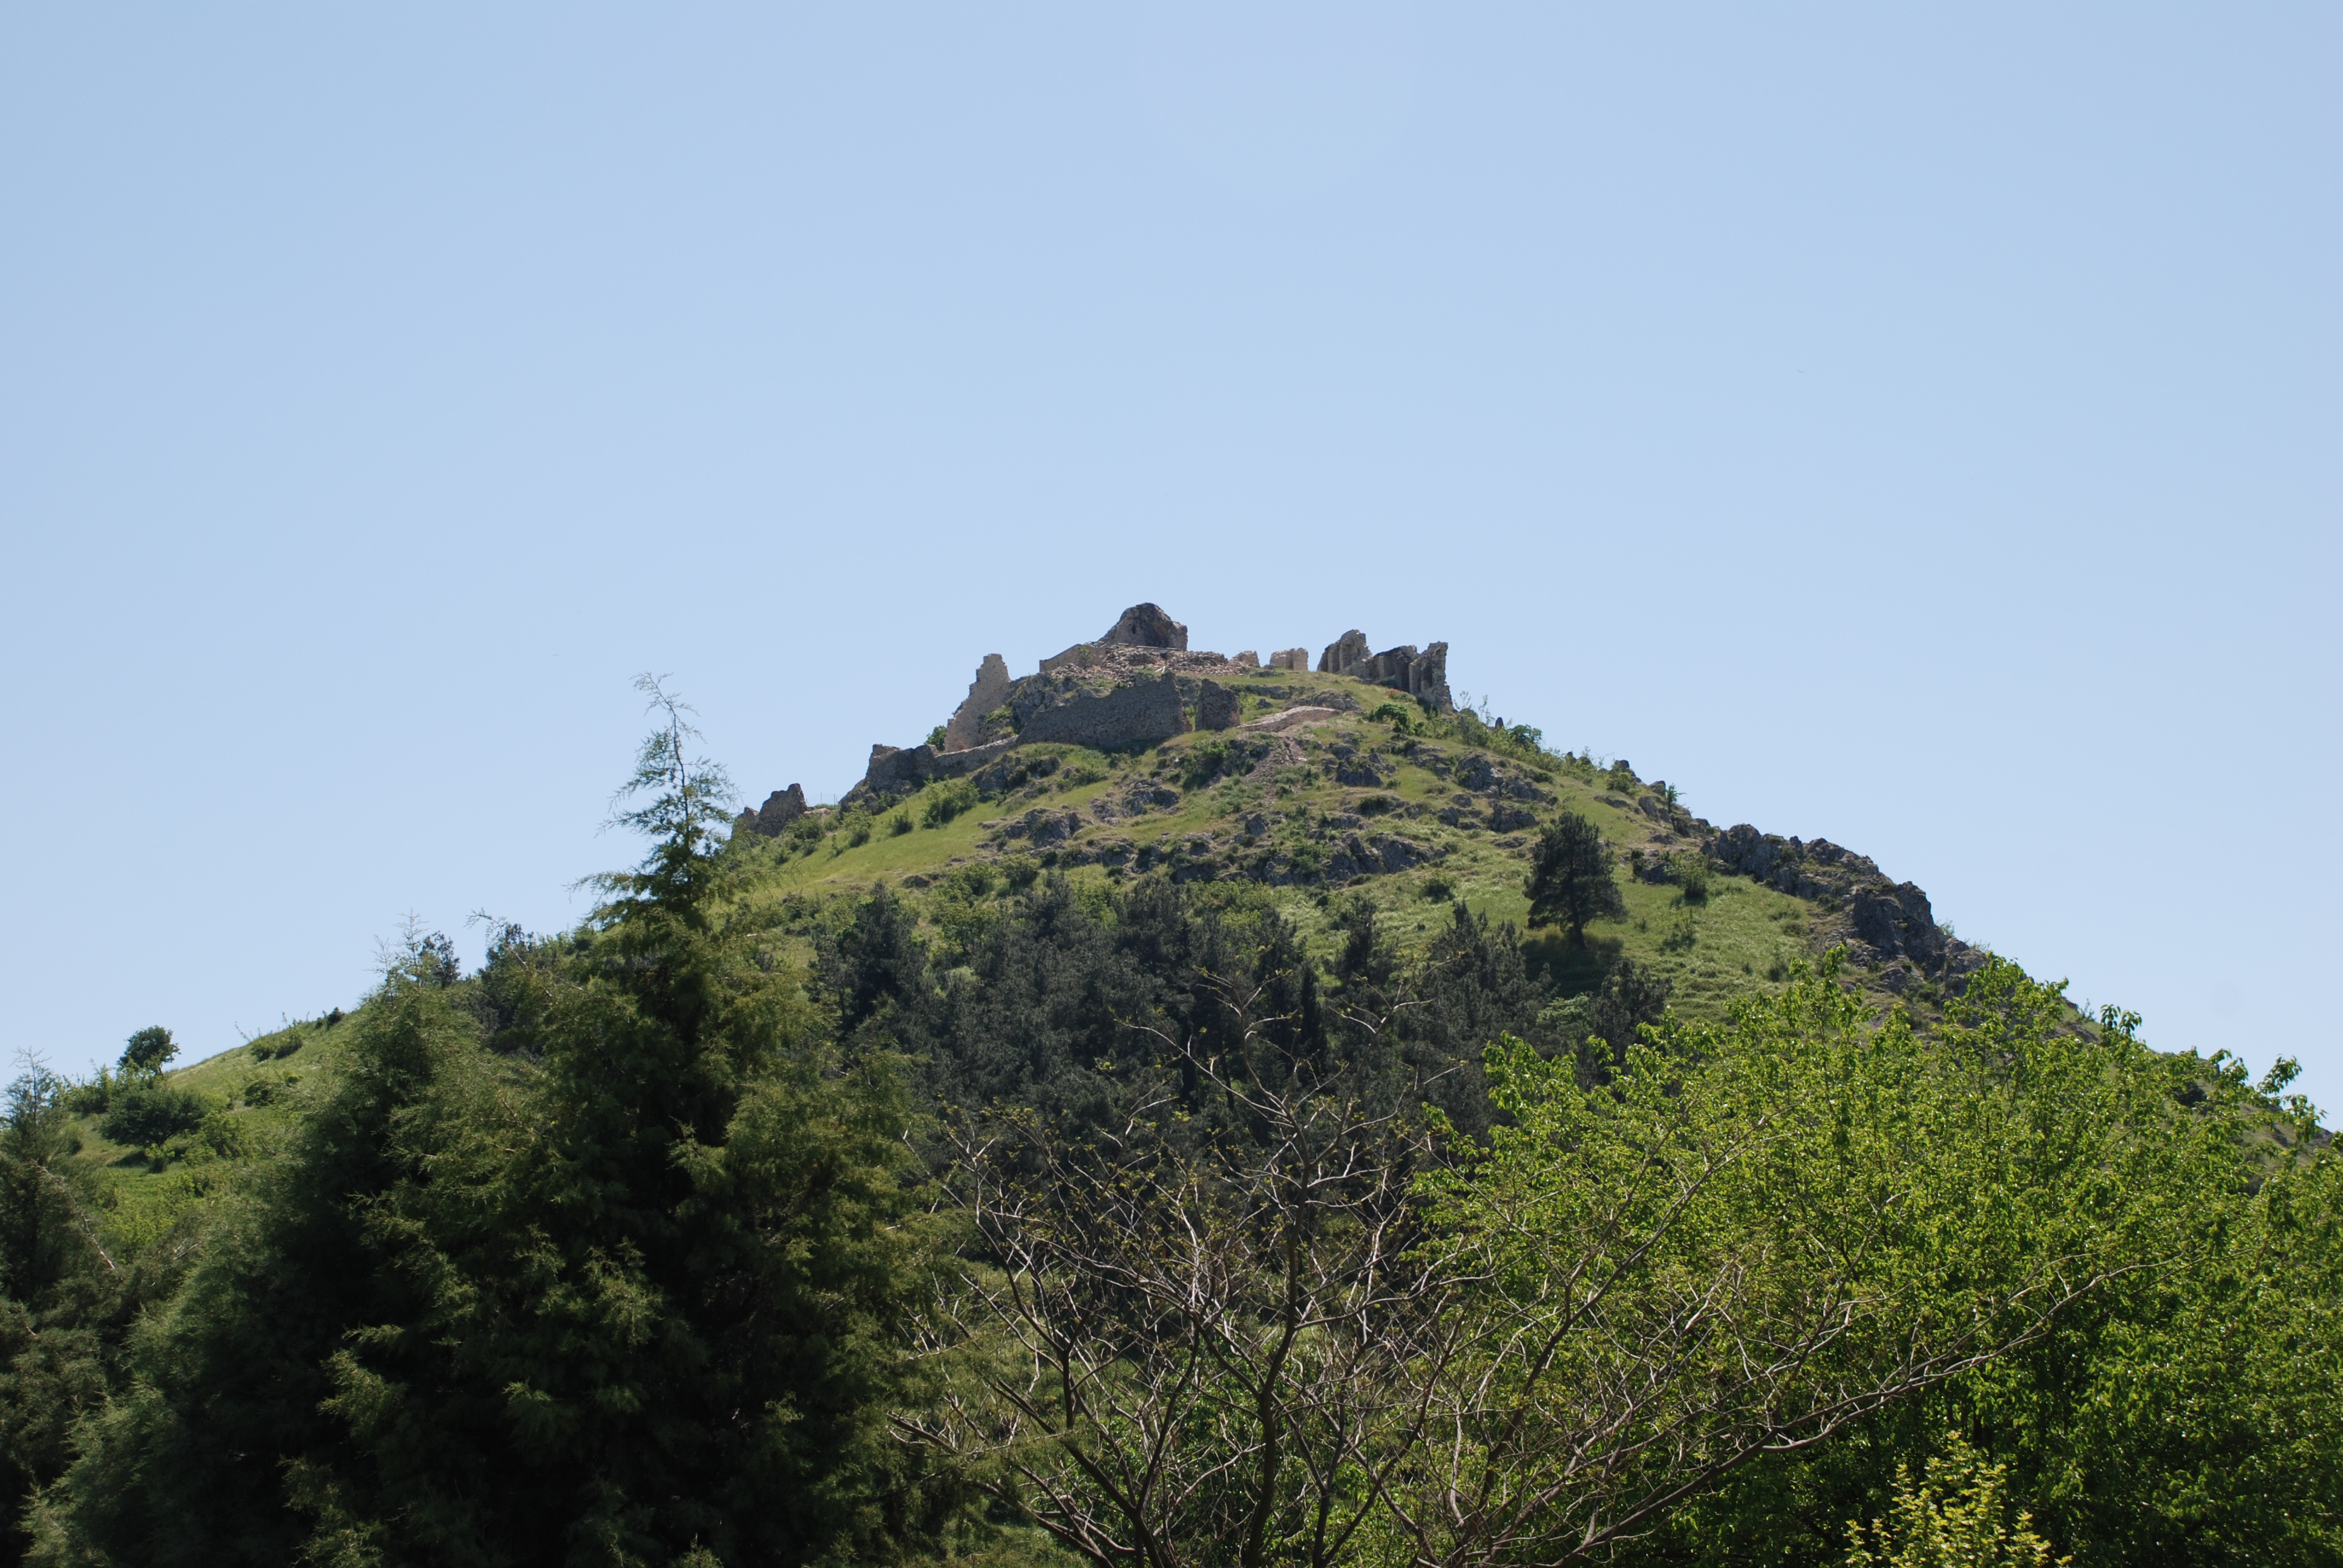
[{"x": 1377, "y": 802}]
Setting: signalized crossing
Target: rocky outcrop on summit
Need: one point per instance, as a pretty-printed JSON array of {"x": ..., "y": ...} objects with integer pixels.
[
  {"x": 1142, "y": 626},
  {"x": 1146, "y": 626},
  {"x": 781, "y": 808}
]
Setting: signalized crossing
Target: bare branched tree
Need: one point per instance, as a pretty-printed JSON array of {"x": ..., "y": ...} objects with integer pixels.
[
  {"x": 1269, "y": 1317},
  {"x": 1199, "y": 1327}
]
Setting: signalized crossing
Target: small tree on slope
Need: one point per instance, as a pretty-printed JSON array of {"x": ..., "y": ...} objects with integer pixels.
[{"x": 1570, "y": 881}]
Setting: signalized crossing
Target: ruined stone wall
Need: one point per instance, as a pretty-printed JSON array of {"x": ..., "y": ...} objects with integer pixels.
[
  {"x": 1344, "y": 652},
  {"x": 1216, "y": 706},
  {"x": 1290, "y": 658},
  {"x": 1137, "y": 714},
  {"x": 1419, "y": 674},
  {"x": 988, "y": 691},
  {"x": 895, "y": 769}
]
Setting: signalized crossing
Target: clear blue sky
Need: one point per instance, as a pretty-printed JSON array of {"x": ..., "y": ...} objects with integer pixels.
[{"x": 1915, "y": 427}]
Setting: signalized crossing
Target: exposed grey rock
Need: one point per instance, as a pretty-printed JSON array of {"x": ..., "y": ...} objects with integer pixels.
[
  {"x": 988, "y": 691},
  {"x": 1216, "y": 706},
  {"x": 1510, "y": 819},
  {"x": 1897, "y": 921},
  {"x": 781, "y": 808},
  {"x": 1145, "y": 797},
  {"x": 1146, "y": 626},
  {"x": 1281, "y": 753},
  {"x": 1399, "y": 854},
  {"x": 1044, "y": 826}
]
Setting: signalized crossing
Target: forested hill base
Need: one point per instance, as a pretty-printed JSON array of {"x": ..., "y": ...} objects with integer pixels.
[{"x": 1335, "y": 1130}]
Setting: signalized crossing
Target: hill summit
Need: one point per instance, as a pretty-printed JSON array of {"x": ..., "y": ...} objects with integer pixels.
[{"x": 1135, "y": 754}]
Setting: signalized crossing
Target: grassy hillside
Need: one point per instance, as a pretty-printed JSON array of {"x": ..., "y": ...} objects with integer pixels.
[
  {"x": 1740, "y": 938},
  {"x": 1378, "y": 802}
]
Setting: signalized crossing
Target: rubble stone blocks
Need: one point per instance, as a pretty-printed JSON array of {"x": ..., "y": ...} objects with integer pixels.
[
  {"x": 988, "y": 691},
  {"x": 1216, "y": 706},
  {"x": 1296, "y": 658},
  {"x": 1135, "y": 715}
]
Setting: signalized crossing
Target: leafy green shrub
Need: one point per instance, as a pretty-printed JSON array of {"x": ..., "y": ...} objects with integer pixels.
[
  {"x": 857, "y": 828},
  {"x": 147, "y": 1114},
  {"x": 936, "y": 737},
  {"x": 91, "y": 1097},
  {"x": 1958, "y": 1517},
  {"x": 1201, "y": 763},
  {"x": 1376, "y": 805},
  {"x": 1681, "y": 934},
  {"x": 1020, "y": 871},
  {"x": 1621, "y": 777},
  {"x": 898, "y": 824},
  {"x": 1398, "y": 716},
  {"x": 946, "y": 801},
  {"x": 1437, "y": 888},
  {"x": 1690, "y": 870}
]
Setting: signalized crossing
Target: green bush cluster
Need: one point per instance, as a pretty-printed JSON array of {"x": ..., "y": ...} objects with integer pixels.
[{"x": 944, "y": 801}]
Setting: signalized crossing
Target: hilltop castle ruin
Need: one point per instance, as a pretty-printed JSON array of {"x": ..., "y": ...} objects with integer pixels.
[{"x": 1137, "y": 683}]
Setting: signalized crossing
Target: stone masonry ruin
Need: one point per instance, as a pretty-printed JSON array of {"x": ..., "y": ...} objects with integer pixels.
[{"x": 1136, "y": 684}]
